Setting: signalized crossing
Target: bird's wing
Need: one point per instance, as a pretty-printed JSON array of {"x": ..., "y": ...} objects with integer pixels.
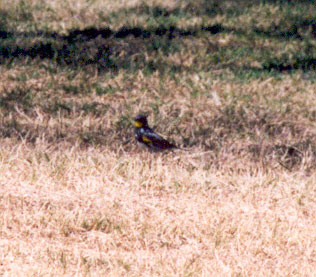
[{"x": 155, "y": 140}]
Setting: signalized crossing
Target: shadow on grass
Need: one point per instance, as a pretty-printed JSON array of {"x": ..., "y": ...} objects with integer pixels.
[
  {"x": 124, "y": 49},
  {"x": 128, "y": 47},
  {"x": 99, "y": 47}
]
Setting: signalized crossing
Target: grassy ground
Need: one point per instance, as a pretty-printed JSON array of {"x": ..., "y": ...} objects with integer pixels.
[{"x": 232, "y": 82}]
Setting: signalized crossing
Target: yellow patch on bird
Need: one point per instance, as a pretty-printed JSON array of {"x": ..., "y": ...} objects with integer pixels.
[
  {"x": 145, "y": 139},
  {"x": 138, "y": 124}
]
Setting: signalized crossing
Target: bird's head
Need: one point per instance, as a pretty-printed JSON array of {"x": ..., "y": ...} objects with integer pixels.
[{"x": 140, "y": 121}]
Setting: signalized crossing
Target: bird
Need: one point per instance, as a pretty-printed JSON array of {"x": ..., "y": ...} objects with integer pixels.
[{"x": 145, "y": 136}]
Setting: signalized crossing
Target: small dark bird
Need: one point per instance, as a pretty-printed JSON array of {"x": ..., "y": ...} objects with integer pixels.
[{"x": 147, "y": 137}]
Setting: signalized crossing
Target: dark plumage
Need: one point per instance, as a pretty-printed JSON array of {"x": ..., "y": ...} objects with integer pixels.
[{"x": 146, "y": 136}]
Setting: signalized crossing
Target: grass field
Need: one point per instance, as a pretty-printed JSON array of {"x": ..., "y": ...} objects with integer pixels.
[{"x": 230, "y": 82}]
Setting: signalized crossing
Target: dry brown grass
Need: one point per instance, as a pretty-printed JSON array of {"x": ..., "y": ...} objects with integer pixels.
[
  {"x": 71, "y": 211},
  {"x": 77, "y": 195}
]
